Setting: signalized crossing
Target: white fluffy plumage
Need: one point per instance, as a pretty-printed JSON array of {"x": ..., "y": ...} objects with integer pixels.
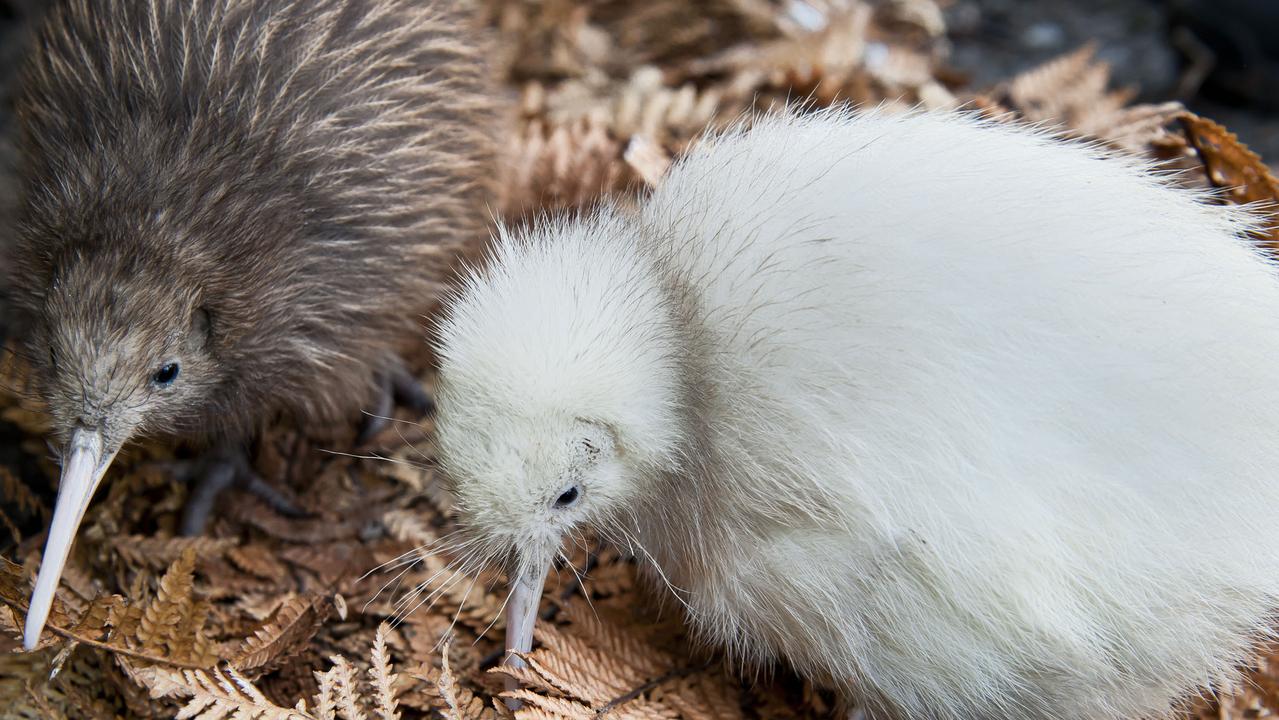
[{"x": 959, "y": 417}]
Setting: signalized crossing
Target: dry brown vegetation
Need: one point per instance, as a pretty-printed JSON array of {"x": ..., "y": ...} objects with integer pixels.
[{"x": 267, "y": 617}]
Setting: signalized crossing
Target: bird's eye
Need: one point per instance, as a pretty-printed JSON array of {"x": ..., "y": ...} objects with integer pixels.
[
  {"x": 568, "y": 498},
  {"x": 165, "y": 375}
]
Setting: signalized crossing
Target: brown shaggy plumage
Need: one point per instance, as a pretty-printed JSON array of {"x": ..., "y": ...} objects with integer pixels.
[{"x": 271, "y": 190}]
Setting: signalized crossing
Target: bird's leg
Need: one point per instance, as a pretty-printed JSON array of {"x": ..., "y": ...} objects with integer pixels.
[
  {"x": 409, "y": 393},
  {"x": 397, "y": 387},
  {"x": 199, "y": 505},
  {"x": 221, "y": 469},
  {"x": 376, "y": 419}
]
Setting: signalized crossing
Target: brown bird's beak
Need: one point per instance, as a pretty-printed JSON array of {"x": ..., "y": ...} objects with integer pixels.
[
  {"x": 84, "y": 463},
  {"x": 521, "y": 616}
]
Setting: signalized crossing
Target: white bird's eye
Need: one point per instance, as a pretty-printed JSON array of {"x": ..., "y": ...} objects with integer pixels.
[
  {"x": 568, "y": 498},
  {"x": 165, "y": 376}
]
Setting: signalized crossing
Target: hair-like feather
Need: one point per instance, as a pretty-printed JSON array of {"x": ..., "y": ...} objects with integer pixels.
[
  {"x": 964, "y": 419},
  {"x": 300, "y": 173}
]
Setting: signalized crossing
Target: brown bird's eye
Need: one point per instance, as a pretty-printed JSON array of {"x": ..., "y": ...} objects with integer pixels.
[
  {"x": 165, "y": 375},
  {"x": 568, "y": 498}
]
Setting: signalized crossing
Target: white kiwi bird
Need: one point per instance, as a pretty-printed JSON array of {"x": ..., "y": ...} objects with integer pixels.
[{"x": 958, "y": 417}]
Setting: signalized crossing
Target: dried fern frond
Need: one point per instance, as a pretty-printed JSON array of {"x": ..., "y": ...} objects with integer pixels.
[
  {"x": 446, "y": 696},
  {"x": 561, "y": 166},
  {"x": 288, "y": 631},
  {"x": 670, "y": 116},
  {"x": 383, "y": 678},
  {"x": 824, "y": 62},
  {"x": 28, "y": 419},
  {"x": 1230, "y": 165},
  {"x": 428, "y": 572},
  {"x": 551, "y": 38},
  {"x": 1073, "y": 93},
  {"x": 593, "y": 665},
  {"x": 305, "y": 531},
  {"x": 20, "y": 677},
  {"x": 1072, "y": 90},
  {"x": 702, "y": 696},
  {"x": 219, "y": 693},
  {"x": 158, "y": 553},
  {"x": 226, "y": 692},
  {"x": 913, "y": 16},
  {"x": 648, "y": 160},
  {"x": 18, "y": 497},
  {"x": 172, "y": 625},
  {"x": 668, "y": 31},
  {"x": 64, "y": 623},
  {"x": 17, "y": 501},
  {"x": 339, "y": 692}
]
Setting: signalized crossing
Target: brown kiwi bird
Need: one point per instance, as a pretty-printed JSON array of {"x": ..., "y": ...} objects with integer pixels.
[{"x": 233, "y": 211}]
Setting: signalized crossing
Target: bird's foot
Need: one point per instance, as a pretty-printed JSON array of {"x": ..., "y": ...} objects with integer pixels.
[
  {"x": 398, "y": 388},
  {"x": 214, "y": 474}
]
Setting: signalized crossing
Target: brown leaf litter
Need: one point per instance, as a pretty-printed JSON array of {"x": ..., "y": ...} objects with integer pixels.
[{"x": 275, "y": 618}]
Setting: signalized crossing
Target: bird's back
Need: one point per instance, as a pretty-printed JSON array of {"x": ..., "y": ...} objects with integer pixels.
[
  {"x": 363, "y": 119},
  {"x": 1036, "y": 383}
]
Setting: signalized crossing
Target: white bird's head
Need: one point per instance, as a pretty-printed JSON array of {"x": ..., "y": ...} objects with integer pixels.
[{"x": 558, "y": 395}]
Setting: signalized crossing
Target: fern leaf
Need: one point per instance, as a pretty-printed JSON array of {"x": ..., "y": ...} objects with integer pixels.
[
  {"x": 347, "y": 689},
  {"x": 219, "y": 693},
  {"x": 615, "y": 641},
  {"x": 383, "y": 678},
  {"x": 15, "y": 588},
  {"x": 571, "y": 671},
  {"x": 257, "y": 560},
  {"x": 325, "y": 704},
  {"x": 448, "y": 697},
  {"x": 172, "y": 624},
  {"x": 529, "y": 677},
  {"x": 158, "y": 553},
  {"x": 648, "y": 160},
  {"x": 18, "y": 495},
  {"x": 599, "y": 667},
  {"x": 704, "y": 696},
  {"x": 286, "y": 633},
  {"x": 92, "y": 623},
  {"x": 541, "y": 706},
  {"x": 9, "y": 623},
  {"x": 22, "y": 680},
  {"x": 10, "y": 527}
]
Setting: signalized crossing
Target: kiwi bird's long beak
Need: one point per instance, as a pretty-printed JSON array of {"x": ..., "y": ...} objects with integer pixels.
[
  {"x": 84, "y": 463},
  {"x": 521, "y": 616}
]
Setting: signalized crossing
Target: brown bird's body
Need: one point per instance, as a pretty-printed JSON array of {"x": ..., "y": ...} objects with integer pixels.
[{"x": 235, "y": 210}]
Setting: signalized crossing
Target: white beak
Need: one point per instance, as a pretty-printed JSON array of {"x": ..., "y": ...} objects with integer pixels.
[
  {"x": 521, "y": 616},
  {"x": 85, "y": 463}
]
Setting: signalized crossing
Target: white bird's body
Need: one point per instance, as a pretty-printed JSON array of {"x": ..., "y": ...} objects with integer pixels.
[{"x": 958, "y": 417}]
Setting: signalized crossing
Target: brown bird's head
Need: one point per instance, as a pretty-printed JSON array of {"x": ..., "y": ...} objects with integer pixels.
[{"x": 120, "y": 347}]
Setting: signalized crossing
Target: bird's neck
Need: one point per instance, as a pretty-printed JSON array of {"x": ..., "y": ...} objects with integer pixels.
[
  {"x": 693, "y": 502},
  {"x": 736, "y": 484}
]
